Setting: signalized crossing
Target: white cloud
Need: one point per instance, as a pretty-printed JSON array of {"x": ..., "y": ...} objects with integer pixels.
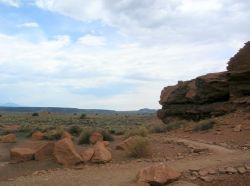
[
  {"x": 15, "y": 3},
  {"x": 29, "y": 25},
  {"x": 92, "y": 40}
]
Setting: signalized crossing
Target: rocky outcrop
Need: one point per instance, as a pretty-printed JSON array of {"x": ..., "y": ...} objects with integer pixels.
[
  {"x": 101, "y": 153},
  {"x": 45, "y": 152},
  {"x": 37, "y": 135},
  {"x": 209, "y": 95},
  {"x": 95, "y": 137}
]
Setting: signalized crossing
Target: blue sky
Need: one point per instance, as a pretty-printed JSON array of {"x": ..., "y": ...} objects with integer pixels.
[{"x": 112, "y": 54}]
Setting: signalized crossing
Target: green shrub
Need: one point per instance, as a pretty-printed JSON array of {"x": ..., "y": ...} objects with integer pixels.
[
  {"x": 75, "y": 130},
  {"x": 141, "y": 131},
  {"x": 175, "y": 125},
  {"x": 140, "y": 148},
  {"x": 204, "y": 125},
  {"x": 83, "y": 116},
  {"x": 54, "y": 134},
  {"x": 35, "y": 114},
  {"x": 0, "y": 115}
]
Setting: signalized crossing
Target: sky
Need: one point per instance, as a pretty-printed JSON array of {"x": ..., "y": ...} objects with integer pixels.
[{"x": 113, "y": 54}]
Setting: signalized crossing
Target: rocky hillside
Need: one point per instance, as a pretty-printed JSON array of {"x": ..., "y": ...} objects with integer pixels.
[{"x": 210, "y": 95}]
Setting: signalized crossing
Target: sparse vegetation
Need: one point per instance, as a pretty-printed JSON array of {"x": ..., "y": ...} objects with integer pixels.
[
  {"x": 175, "y": 125},
  {"x": 204, "y": 125},
  {"x": 75, "y": 130},
  {"x": 84, "y": 136},
  {"x": 140, "y": 148},
  {"x": 106, "y": 135},
  {"x": 35, "y": 114},
  {"x": 158, "y": 128},
  {"x": 83, "y": 116},
  {"x": 54, "y": 134},
  {"x": 141, "y": 131}
]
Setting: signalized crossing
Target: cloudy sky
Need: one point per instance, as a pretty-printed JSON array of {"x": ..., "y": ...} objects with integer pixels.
[{"x": 113, "y": 54}]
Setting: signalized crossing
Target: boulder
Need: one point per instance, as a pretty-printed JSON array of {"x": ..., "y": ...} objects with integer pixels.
[
  {"x": 45, "y": 152},
  {"x": 37, "y": 135},
  {"x": 158, "y": 175},
  {"x": 65, "y": 153},
  {"x": 66, "y": 134},
  {"x": 21, "y": 154},
  {"x": 126, "y": 143},
  {"x": 95, "y": 137},
  {"x": 101, "y": 153},
  {"x": 87, "y": 154},
  {"x": 9, "y": 138},
  {"x": 237, "y": 128}
]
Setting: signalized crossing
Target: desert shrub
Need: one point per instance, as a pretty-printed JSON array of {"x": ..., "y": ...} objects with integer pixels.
[
  {"x": 117, "y": 132},
  {"x": 4, "y": 132},
  {"x": 35, "y": 114},
  {"x": 54, "y": 134},
  {"x": 84, "y": 136},
  {"x": 106, "y": 135},
  {"x": 75, "y": 130},
  {"x": 158, "y": 128},
  {"x": 204, "y": 125},
  {"x": 0, "y": 115},
  {"x": 140, "y": 148},
  {"x": 83, "y": 116},
  {"x": 141, "y": 131},
  {"x": 175, "y": 125}
]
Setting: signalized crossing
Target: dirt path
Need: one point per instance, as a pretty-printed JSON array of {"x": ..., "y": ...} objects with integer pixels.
[{"x": 119, "y": 174}]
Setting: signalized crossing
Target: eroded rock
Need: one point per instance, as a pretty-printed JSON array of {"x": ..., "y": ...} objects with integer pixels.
[{"x": 21, "y": 154}]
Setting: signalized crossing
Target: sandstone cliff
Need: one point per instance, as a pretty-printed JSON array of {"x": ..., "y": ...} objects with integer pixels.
[{"x": 209, "y": 95}]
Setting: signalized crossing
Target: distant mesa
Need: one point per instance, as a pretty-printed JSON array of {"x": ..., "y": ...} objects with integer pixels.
[
  {"x": 209, "y": 95},
  {"x": 9, "y": 104}
]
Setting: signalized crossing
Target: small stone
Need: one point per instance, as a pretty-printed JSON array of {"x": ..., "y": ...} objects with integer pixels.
[
  {"x": 206, "y": 178},
  {"x": 211, "y": 171},
  {"x": 241, "y": 170},
  {"x": 222, "y": 170},
  {"x": 237, "y": 128},
  {"x": 203, "y": 173},
  {"x": 231, "y": 170},
  {"x": 247, "y": 167}
]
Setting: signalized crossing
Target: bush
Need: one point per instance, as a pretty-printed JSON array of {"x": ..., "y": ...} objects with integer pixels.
[
  {"x": 83, "y": 116},
  {"x": 75, "y": 130},
  {"x": 141, "y": 131},
  {"x": 140, "y": 148},
  {"x": 175, "y": 125},
  {"x": 204, "y": 125},
  {"x": 35, "y": 114},
  {"x": 84, "y": 136},
  {"x": 54, "y": 134},
  {"x": 159, "y": 128},
  {"x": 106, "y": 135},
  {"x": 0, "y": 115}
]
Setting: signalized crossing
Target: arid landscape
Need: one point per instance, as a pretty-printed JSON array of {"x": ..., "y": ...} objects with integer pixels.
[{"x": 201, "y": 136}]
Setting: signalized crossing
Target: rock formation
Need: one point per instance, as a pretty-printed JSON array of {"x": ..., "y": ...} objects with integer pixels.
[{"x": 209, "y": 95}]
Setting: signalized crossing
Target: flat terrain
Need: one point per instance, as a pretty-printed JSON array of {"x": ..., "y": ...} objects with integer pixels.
[{"x": 217, "y": 148}]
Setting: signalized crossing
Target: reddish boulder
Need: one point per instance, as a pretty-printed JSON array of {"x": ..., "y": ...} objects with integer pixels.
[
  {"x": 45, "y": 152},
  {"x": 126, "y": 144},
  {"x": 66, "y": 134},
  {"x": 101, "y": 153},
  {"x": 95, "y": 137},
  {"x": 158, "y": 175},
  {"x": 10, "y": 138},
  {"x": 37, "y": 135},
  {"x": 21, "y": 154},
  {"x": 87, "y": 154},
  {"x": 65, "y": 153}
]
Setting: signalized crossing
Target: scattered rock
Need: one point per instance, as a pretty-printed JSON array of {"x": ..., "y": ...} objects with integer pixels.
[
  {"x": 65, "y": 152},
  {"x": 222, "y": 170},
  {"x": 211, "y": 171},
  {"x": 241, "y": 170},
  {"x": 206, "y": 178},
  {"x": 230, "y": 170},
  {"x": 182, "y": 183},
  {"x": 45, "y": 152},
  {"x": 247, "y": 167},
  {"x": 37, "y": 135},
  {"x": 21, "y": 154},
  {"x": 158, "y": 174},
  {"x": 101, "y": 153},
  {"x": 95, "y": 137},
  {"x": 87, "y": 154},
  {"x": 237, "y": 128},
  {"x": 138, "y": 184},
  {"x": 203, "y": 172},
  {"x": 9, "y": 138}
]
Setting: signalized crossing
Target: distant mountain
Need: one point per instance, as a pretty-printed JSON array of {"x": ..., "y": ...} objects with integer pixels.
[
  {"x": 9, "y": 104},
  {"x": 147, "y": 110}
]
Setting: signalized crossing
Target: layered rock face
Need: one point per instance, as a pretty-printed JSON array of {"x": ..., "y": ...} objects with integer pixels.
[{"x": 209, "y": 95}]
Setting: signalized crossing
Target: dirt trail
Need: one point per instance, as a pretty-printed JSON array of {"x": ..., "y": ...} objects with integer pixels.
[{"x": 120, "y": 174}]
